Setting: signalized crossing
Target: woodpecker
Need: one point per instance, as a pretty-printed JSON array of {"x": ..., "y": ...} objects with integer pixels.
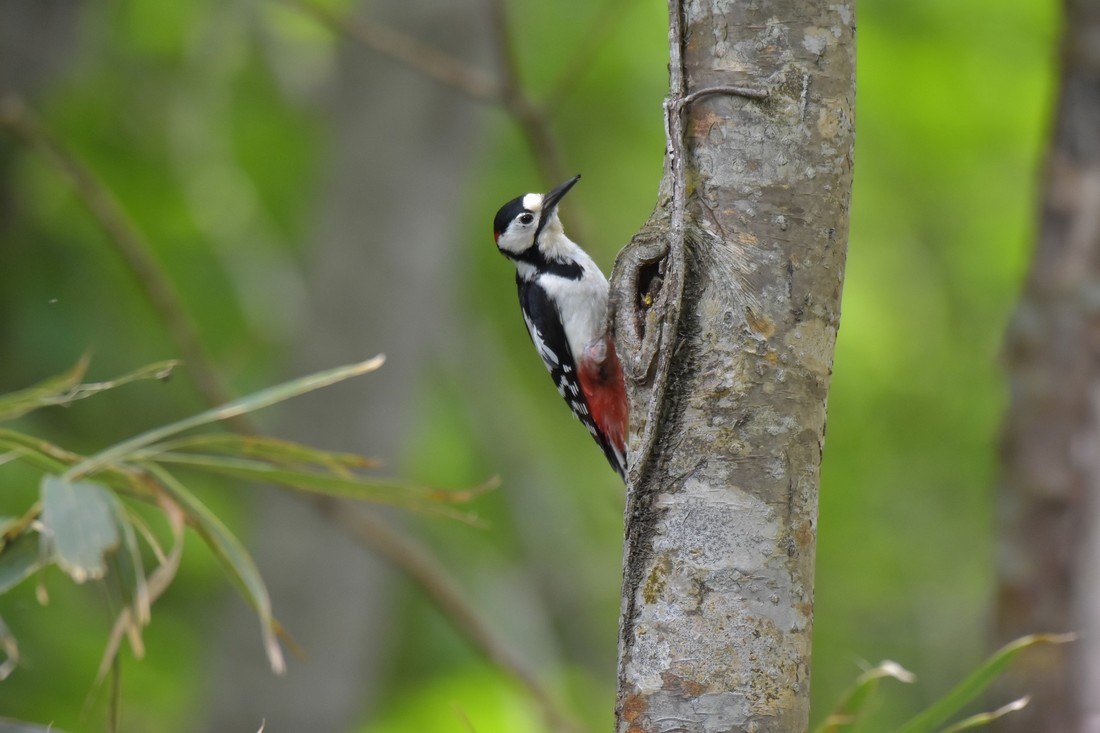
[{"x": 563, "y": 297}]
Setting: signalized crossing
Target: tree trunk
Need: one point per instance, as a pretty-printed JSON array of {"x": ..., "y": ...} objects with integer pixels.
[
  {"x": 726, "y": 323},
  {"x": 1050, "y": 483}
]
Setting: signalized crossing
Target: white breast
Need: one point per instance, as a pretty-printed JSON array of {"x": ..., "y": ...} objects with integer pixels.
[{"x": 582, "y": 303}]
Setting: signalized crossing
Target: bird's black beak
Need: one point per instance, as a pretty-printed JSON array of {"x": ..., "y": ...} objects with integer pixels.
[{"x": 551, "y": 199}]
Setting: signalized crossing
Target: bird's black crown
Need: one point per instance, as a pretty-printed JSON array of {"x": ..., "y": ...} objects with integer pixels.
[{"x": 507, "y": 213}]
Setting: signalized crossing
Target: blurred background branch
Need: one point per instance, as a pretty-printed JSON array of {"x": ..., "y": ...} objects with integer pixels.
[
  {"x": 127, "y": 241},
  {"x": 507, "y": 91}
]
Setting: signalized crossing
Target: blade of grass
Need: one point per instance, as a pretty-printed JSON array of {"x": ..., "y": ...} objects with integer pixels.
[
  {"x": 856, "y": 698},
  {"x": 933, "y": 717},
  {"x": 235, "y": 408},
  {"x": 231, "y": 553}
]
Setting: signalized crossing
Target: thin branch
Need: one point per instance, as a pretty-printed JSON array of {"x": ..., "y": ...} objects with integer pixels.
[
  {"x": 587, "y": 50},
  {"x": 128, "y": 241},
  {"x": 532, "y": 122},
  {"x": 508, "y": 93},
  {"x": 434, "y": 581},
  {"x": 404, "y": 553},
  {"x": 448, "y": 70}
]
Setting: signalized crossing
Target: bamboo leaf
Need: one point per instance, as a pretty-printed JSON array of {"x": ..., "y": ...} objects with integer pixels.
[
  {"x": 274, "y": 450},
  {"x": 66, "y": 388},
  {"x": 10, "y": 647},
  {"x": 50, "y": 458},
  {"x": 159, "y": 371},
  {"x": 966, "y": 691},
  {"x": 251, "y": 403},
  {"x": 19, "y": 560},
  {"x": 390, "y": 491},
  {"x": 854, "y": 702},
  {"x": 78, "y": 523},
  {"x": 131, "y": 567},
  {"x": 345, "y": 486},
  {"x": 17, "y": 404},
  {"x": 976, "y": 721},
  {"x": 232, "y": 555},
  {"x": 128, "y": 623}
]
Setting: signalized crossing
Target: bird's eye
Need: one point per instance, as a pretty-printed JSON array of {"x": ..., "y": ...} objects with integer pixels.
[{"x": 526, "y": 218}]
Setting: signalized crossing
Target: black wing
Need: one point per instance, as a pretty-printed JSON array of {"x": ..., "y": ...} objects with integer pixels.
[{"x": 548, "y": 335}]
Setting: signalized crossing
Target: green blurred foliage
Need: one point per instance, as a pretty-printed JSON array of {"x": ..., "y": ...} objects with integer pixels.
[{"x": 198, "y": 115}]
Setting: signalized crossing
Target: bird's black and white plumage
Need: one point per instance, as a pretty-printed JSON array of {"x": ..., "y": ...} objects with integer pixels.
[{"x": 563, "y": 297}]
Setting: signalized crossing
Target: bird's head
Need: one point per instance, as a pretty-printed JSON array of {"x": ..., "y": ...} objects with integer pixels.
[{"x": 525, "y": 220}]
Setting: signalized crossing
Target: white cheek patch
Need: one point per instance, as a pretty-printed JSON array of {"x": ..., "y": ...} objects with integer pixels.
[{"x": 533, "y": 202}]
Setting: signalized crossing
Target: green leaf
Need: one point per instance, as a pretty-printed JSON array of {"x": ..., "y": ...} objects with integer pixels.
[
  {"x": 79, "y": 525},
  {"x": 976, "y": 721},
  {"x": 19, "y": 559},
  {"x": 50, "y": 458},
  {"x": 131, "y": 567},
  {"x": 274, "y": 450},
  {"x": 10, "y": 647},
  {"x": 17, "y": 404},
  {"x": 66, "y": 388},
  {"x": 232, "y": 555},
  {"x": 856, "y": 698},
  {"x": 159, "y": 371},
  {"x": 251, "y": 403},
  {"x": 970, "y": 688},
  {"x": 346, "y": 485}
]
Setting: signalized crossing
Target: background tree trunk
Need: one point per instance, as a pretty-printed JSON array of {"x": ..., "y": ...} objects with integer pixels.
[
  {"x": 726, "y": 445},
  {"x": 1050, "y": 483},
  {"x": 382, "y": 268}
]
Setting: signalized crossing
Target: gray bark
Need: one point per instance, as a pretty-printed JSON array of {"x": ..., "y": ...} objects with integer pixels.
[
  {"x": 1049, "y": 496},
  {"x": 728, "y": 371}
]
